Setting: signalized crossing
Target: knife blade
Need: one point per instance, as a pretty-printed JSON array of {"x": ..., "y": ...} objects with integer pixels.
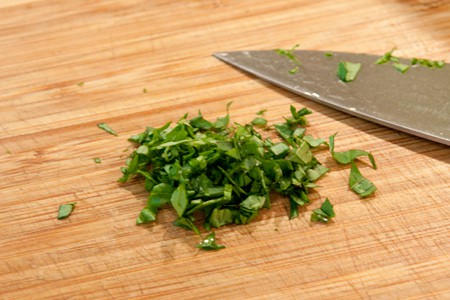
[{"x": 416, "y": 102}]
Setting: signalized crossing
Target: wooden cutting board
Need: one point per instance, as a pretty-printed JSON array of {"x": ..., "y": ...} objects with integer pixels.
[{"x": 143, "y": 63}]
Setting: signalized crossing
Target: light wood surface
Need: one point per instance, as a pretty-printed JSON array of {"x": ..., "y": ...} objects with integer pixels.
[{"x": 391, "y": 246}]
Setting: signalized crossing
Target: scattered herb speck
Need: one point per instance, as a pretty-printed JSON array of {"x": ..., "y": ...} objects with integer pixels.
[
  {"x": 289, "y": 54},
  {"x": 402, "y": 68},
  {"x": 107, "y": 128},
  {"x": 323, "y": 214},
  {"x": 65, "y": 210},
  {"x": 347, "y": 71}
]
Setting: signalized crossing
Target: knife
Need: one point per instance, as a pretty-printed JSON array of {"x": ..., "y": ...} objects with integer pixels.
[{"x": 416, "y": 102}]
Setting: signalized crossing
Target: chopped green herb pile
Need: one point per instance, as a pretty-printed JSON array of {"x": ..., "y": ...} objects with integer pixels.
[
  {"x": 289, "y": 54},
  {"x": 323, "y": 214},
  {"x": 223, "y": 173},
  {"x": 347, "y": 71},
  {"x": 106, "y": 128},
  {"x": 65, "y": 210}
]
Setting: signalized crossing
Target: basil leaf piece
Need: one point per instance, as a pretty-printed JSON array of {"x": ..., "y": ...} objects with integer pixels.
[
  {"x": 302, "y": 154},
  {"x": 387, "y": 57},
  {"x": 147, "y": 215},
  {"x": 284, "y": 130},
  {"x": 65, "y": 210},
  {"x": 221, "y": 123},
  {"x": 427, "y": 63},
  {"x": 200, "y": 122},
  {"x": 359, "y": 184},
  {"x": 179, "y": 199},
  {"x": 261, "y": 112},
  {"x": 289, "y": 54},
  {"x": 221, "y": 217},
  {"x": 402, "y": 68},
  {"x": 314, "y": 142},
  {"x": 293, "y": 213},
  {"x": 187, "y": 224},
  {"x": 315, "y": 173},
  {"x": 294, "y": 70},
  {"x": 279, "y": 148},
  {"x": 298, "y": 117},
  {"x": 209, "y": 243},
  {"x": 347, "y": 157},
  {"x": 107, "y": 128},
  {"x": 323, "y": 214},
  {"x": 439, "y": 64},
  {"x": 347, "y": 71},
  {"x": 259, "y": 122},
  {"x": 253, "y": 203}
]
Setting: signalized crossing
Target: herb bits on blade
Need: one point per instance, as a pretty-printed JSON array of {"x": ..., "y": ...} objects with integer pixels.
[{"x": 222, "y": 173}]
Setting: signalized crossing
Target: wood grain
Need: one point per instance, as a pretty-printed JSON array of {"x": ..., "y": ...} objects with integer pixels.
[{"x": 392, "y": 246}]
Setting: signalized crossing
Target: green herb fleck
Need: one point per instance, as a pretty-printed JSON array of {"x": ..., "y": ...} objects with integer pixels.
[
  {"x": 439, "y": 64},
  {"x": 323, "y": 214},
  {"x": 347, "y": 71},
  {"x": 328, "y": 54},
  {"x": 179, "y": 199},
  {"x": 106, "y": 128},
  {"x": 209, "y": 243},
  {"x": 313, "y": 142},
  {"x": 387, "y": 57},
  {"x": 402, "y": 68},
  {"x": 261, "y": 112},
  {"x": 65, "y": 210},
  {"x": 294, "y": 70},
  {"x": 80, "y": 83},
  {"x": 347, "y": 157},
  {"x": 98, "y": 160},
  {"x": 187, "y": 224},
  {"x": 259, "y": 122},
  {"x": 359, "y": 184},
  {"x": 427, "y": 63},
  {"x": 289, "y": 54}
]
